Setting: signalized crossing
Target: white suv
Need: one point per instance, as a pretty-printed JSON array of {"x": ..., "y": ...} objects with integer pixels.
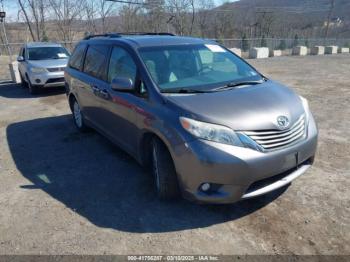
[{"x": 42, "y": 65}]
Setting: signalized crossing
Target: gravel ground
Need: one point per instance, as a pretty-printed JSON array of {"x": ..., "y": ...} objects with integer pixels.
[{"x": 62, "y": 192}]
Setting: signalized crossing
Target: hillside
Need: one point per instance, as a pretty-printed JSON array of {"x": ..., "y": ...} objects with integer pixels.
[{"x": 317, "y": 9}]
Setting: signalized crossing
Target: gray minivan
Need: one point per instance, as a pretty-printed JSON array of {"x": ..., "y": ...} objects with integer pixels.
[{"x": 210, "y": 126}]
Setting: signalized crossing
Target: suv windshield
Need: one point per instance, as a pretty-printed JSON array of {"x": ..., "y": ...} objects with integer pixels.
[
  {"x": 46, "y": 53},
  {"x": 198, "y": 67}
]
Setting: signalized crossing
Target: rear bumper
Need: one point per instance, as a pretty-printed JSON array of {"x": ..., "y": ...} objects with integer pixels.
[{"x": 237, "y": 173}]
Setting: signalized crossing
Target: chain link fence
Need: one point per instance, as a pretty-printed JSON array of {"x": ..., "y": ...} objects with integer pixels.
[
  {"x": 281, "y": 43},
  {"x": 244, "y": 44},
  {"x": 10, "y": 52}
]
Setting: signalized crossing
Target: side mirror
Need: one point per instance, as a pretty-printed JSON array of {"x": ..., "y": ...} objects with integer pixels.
[
  {"x": 20, "y": 58},
  {"x": 123, "y": 84}
]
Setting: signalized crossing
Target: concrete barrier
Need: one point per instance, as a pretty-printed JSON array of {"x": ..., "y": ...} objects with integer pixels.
[
  {"x": 317, "y": 50},
  {"x": 259, "y": 52},
  {"x": 237, "y": 51},
  {"x": 274, "y": 53},
  {"x": 343, "y": 50},
  {"x": 332, "y": 49},
  {"x": 15, "y": 72},
  {"x": 299, "y": 50}
]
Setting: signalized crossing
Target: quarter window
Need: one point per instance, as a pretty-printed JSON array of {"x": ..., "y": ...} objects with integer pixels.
[
  {"x": 96, "y": 60},
  {"x": 121, "y": 65},
  {"x": 77, "y": 57}
]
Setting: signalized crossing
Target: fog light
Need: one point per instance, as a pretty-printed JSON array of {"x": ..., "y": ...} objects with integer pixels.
[
  {"x": 38, "y": 81},
  {"x": 205, "y": 187}
]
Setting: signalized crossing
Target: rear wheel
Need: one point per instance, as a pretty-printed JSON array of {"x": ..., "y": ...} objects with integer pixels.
[
  {"x": 163, "y": 170},
  {"x": 78, "y": 117}
]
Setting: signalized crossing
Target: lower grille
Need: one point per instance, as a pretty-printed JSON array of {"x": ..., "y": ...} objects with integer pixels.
[
  {"x": 55, "y": 80},
  {"x": 270, "y": 180},
  {"x": 274, "y": 139},
  {"x": 56, "y": 69}
]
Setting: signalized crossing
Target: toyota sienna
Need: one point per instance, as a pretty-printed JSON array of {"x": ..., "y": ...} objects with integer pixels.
[{"x": 209, "y": 125}]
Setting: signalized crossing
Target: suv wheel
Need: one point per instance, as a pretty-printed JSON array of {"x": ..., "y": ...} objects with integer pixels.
[
  {"x": 78, "y": 117},
  {"x": 163, "y": 170},
  {"x": 33, "y": 89},
  {"x": 24, "y": 84}
]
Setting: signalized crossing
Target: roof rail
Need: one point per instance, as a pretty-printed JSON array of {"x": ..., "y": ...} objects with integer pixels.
[
  {"x": 146, "y": 33},
  {"x": 116, "y": 35},
  {"x": 112, "y": 35}
]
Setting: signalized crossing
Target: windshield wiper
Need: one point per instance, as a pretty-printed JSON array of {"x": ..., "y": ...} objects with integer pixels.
[
  {"x": 184, "y": 91},
  {"x": 236, "y": 84}
]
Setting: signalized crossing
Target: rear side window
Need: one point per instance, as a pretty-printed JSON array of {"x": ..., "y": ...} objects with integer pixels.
[
  {"x": 76, "y": 59},
  {"x": 121, "y": 65},
  {"x": 96, "y": 61}
]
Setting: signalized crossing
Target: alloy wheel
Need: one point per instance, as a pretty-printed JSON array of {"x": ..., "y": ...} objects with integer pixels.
[{"x": 77, "y": 115}]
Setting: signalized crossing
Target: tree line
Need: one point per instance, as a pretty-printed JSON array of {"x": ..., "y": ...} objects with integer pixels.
[{"x": 69, "y": 20}]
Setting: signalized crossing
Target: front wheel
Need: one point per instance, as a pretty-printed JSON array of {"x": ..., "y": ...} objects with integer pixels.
[
  {"x": 163, "y": 170},
  {"x": 78, "y": 117},
  {"x": 32, "y": 88},
  {"x": 24, "y": 84}
]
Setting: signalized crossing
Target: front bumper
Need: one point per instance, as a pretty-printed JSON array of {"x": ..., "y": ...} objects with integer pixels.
[
  {"x": 48, "y": 79},
  {"x": 238, "y": 173}
]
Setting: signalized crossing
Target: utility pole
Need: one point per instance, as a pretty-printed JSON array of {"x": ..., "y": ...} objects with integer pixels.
[
  {"x": 2, "y": 21},
  {"x": 329, "y": 19}
]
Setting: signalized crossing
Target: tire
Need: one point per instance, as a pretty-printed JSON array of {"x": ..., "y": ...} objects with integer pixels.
[
  {"x": 24, "y": 84},
  {"x": 78, "y": 117},
  {"x": 32, "y": 88},
  {"x": 163, "y": 170}
]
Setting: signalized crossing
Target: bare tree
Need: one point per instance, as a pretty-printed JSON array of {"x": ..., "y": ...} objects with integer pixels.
[
  {"x": 203, "y": 15},
  {"x": 105, "y": 10},
  {"x": 65, "y": 13},
  {"x": 28, "y": 17},
  {"x": 130, "y": 18},
  {"x": 179, "y": 9},
  {"x": 155, "y": 15},
  {"x": 90, "y": 16},
  {"x": 329, "y": 16}
]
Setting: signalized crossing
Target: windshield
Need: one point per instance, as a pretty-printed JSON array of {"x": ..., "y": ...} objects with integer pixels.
[
  {"x": 45, "y": 53},
  {"x": 200, "y": 67}
]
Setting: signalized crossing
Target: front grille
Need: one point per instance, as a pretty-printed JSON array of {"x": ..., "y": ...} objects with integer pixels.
[
  {"x": 56, "y": 69},
  {"x": 274, "y": 139},
  {"x": 55, "y": 80}
]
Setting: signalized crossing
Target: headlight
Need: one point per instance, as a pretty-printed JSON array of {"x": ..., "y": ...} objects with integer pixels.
[
  {"x": 211, "y": 132},
  {"x": 38, "y": 70},
  {"x": 306, "y": 107}
]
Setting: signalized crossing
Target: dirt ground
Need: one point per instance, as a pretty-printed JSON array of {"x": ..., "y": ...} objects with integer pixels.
[
  {"x": 62, "y": 192},
  {"x": 4, "y": 68}
]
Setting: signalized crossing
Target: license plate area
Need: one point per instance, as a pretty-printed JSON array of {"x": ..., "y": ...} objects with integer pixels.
[{"x": 291, "y": 161}]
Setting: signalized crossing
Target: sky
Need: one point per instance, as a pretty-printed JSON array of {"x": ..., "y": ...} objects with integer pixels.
[{"x": 11, "y": 7}]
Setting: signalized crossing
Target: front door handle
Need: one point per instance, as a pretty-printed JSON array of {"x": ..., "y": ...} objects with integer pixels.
[
  {"x": 104, "y": 94},
  {"x": 95, "y": 89}
]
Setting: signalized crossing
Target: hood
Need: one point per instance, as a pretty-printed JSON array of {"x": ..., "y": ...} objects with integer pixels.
[
  {"x": 51, "y": 63},
  {"x": 248, "y": 108}
]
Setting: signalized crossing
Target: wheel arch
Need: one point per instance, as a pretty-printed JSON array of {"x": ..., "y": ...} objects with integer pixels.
[
  {"x": 145, "y": 147},
  {"x": 71, "y": 99}
]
